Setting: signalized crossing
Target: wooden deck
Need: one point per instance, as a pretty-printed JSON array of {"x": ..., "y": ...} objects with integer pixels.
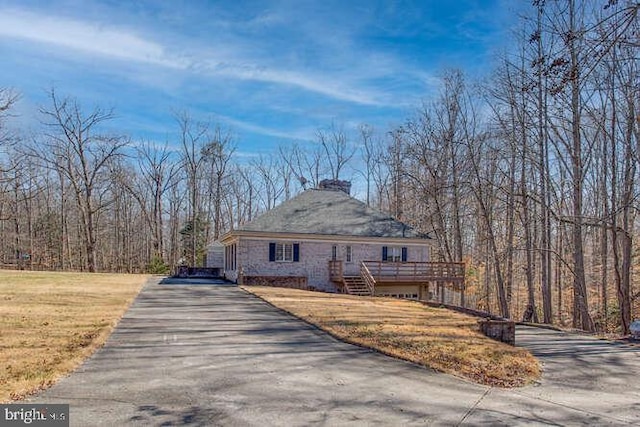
[
  {"x": 415, "y": 272},
  {"x": 381, "y": 273}
]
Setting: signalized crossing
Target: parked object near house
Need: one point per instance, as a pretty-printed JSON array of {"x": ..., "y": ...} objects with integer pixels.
[
  {"x": 185, "y": 272},
  {"x": 634, "y": 328},
  {"x": 324, "y": 239}
]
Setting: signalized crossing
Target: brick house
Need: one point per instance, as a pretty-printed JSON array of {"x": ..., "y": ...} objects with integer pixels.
[{"x": 327, "y": 240}]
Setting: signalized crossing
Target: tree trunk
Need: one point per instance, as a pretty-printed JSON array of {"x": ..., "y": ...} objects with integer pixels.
[
  {"x": 581, "y": 316},
  {"x": 545, "y": 185}
]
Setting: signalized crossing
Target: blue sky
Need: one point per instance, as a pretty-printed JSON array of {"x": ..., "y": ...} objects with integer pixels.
[{"x": 271, "y": 72}]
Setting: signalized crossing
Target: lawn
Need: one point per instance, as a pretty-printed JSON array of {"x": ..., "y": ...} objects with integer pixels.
[
  {"x": 51, "y": 322},
  {"x": 437, "y": 338}
]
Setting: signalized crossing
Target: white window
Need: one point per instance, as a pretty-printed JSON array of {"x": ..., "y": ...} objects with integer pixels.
[
  {"x": 348, "y": 255},
  {"x": 284, "y": 252},
  {"x": 334, "y": 252},
  {"x": 394, "y": 254}
]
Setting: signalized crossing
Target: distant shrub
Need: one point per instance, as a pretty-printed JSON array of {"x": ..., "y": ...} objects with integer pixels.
[{"x": 158, "y": 266}]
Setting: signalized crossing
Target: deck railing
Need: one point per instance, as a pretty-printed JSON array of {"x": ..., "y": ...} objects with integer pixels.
[
  {"x": 368, "y": 278},
  {"x": 382, "y": 271},
  {"x": 375, "y": 273}
]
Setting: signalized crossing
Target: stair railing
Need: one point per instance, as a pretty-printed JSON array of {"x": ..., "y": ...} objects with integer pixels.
[{"x": 368, "y": 278}]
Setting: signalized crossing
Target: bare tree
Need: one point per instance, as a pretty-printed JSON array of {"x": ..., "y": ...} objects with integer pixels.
[
  {"x": 270, "y": 188},
  {"x": 305, "y": 164},
  {"x": 217, "y": 154},
  {"x": 205, "y": 158},
  {"x": 437, "y": 145},
  {"x": 8, "y": 99},
  {"x": 337, "y": 148},
  {"x": 193, "y": 139},
  {"x": 395, "y": 160},
  {"x": 569, "y": 65},
  {"x": 244, "y": 189},
  {"x": 73, "y": 147},
  {"x": 616, "y": 119},
  {"x": 542, "y": 136},
  {"x": 367, "y": 150},
  {"x": 155, "y": 173}
]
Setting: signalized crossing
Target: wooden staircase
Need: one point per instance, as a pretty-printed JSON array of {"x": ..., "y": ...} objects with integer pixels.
[{"x": 355, "y": 285}]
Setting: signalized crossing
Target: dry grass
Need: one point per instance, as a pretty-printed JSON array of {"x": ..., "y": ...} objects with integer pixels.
[
  {"x": 440, "y": 339},
  {"x": 50, "y": 322}
]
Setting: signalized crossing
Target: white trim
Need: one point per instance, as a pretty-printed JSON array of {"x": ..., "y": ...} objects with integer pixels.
[{"x": 387, "y": 241}]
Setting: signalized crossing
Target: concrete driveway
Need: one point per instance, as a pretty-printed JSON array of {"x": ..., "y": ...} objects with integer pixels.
[{"x": 209, "y": 354}]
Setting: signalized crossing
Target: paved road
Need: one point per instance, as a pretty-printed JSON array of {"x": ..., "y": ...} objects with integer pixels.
[
  {"x": 598, "y": 377},
  {"x": 204, "y": 354}
]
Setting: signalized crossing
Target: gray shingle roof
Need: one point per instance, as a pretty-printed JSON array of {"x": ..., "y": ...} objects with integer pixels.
[{"x": 329, "y": 212}]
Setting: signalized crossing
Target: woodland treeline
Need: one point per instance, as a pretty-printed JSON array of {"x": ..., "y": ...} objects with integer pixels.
[{"x": 528, "y": 176}]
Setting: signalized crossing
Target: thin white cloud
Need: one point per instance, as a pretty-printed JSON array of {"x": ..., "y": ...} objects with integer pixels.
[
  {"x": 123, "y": 44},
  {"x": 298, "y": 135},
  {"x": 306, "y": 81},
  {"x": 80, "y": 36}
]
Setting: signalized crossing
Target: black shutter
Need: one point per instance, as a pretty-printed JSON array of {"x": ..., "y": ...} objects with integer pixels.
[
  {"x": 404, "y": 254},
  {"x": 272, "y": 252},
  {"x": 384, "y": 253},
  {"x": 296, "y": 252}
]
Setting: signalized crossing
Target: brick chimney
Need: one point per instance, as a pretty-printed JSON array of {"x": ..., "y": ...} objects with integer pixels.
[{"x": 335, "y": 185}]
